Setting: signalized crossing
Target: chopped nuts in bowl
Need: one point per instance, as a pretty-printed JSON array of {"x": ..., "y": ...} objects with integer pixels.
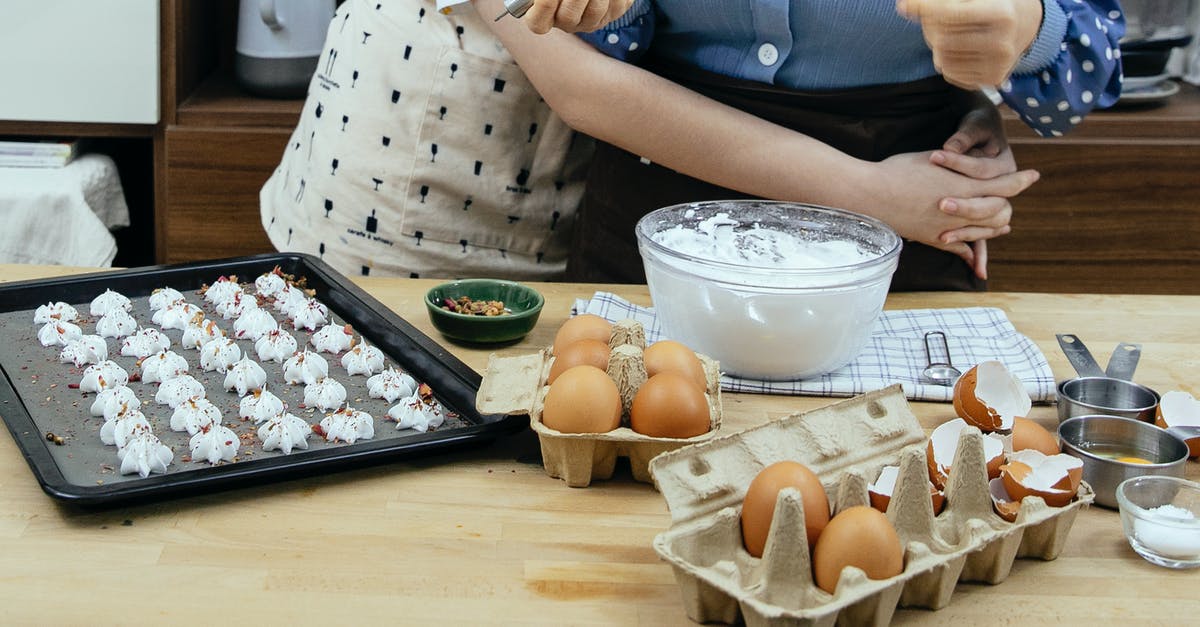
[{"x": 483, "y": 311}]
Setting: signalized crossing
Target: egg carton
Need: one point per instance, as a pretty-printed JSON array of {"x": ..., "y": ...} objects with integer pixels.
[
  {"x": 846, "y": 444},
  {"x": 517, "y": 385}
]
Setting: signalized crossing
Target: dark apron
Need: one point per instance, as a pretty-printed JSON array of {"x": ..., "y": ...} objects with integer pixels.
[{"x": 868, "y": 123}]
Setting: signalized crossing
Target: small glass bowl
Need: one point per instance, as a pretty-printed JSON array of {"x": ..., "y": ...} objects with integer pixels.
[{"x": 1161, "y": 537}]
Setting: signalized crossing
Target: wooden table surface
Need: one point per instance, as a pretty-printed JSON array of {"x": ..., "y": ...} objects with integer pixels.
[{"x": 484, "y": 536}]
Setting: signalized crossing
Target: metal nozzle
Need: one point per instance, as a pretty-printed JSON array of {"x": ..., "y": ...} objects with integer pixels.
[{"x": 515, "y": 8}]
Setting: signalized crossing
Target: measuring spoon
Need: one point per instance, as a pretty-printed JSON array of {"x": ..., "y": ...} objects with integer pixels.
[{"x": 939, "y": 372}]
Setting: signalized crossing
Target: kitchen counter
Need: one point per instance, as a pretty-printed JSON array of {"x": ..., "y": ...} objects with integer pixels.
[{"x": 485, "y": 536}]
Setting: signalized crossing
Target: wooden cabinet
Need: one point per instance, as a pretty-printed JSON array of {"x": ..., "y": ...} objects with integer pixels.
[{"x": 1117, "y": 208}]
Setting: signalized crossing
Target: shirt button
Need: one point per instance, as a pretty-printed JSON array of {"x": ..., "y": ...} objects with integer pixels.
[{"x": 768, "y": 54}]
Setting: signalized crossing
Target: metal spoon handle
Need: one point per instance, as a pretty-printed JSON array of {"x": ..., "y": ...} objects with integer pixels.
[
  {"x": 1124, "y": 361},
  {"x": 1081, "y": 359}
]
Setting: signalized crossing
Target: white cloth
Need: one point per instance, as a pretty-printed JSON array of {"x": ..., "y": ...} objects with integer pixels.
[
  {"x": 895, "y": 353},
  {"x": 62, "y": 216}
]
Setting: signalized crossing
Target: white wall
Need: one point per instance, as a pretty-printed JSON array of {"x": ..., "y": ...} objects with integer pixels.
[{"x": 79, "y": 60}]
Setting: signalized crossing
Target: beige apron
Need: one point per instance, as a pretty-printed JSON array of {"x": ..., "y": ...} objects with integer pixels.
[{"x": 423, "y": 150}]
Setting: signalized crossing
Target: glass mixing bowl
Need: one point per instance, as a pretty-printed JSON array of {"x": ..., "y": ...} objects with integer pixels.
[{"x": 771, "y": 290}]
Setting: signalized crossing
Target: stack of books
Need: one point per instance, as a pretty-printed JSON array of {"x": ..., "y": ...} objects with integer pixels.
[{"x": 37, "y": 153}]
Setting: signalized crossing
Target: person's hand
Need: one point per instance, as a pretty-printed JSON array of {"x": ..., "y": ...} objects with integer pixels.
[
  {"x": 975, "y": 43},
  {"x": 978, "y": 149},
  {"x": 947, "y": 209},
  {"x": 573, "y": 16}
]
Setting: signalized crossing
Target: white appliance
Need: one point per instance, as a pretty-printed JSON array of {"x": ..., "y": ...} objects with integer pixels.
[{"x": 279, "y": 43}]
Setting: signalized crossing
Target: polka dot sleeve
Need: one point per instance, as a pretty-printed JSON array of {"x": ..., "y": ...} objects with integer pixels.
[
  {"x": 627, "y": 37},
  {"x": 1084, "y": 74}
]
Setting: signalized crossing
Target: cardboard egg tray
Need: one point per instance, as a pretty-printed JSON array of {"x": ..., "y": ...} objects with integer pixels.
[
  {"x": 846, "y": 444},
  {"x": 517, "y": 385}
]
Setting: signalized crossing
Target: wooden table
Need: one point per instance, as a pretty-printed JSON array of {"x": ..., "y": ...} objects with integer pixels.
[{"x": 485, "y": 536}]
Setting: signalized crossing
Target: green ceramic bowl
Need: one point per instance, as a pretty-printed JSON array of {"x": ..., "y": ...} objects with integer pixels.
[{"x": 524, "y": 302}]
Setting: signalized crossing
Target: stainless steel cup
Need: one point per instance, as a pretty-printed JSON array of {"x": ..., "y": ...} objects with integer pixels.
[
  {"x": 1099, "y": 440},
  {"x": 1106, "y": 395}
]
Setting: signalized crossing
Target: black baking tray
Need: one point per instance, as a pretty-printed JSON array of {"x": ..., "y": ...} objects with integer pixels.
[{"x": 454, "y": 383}]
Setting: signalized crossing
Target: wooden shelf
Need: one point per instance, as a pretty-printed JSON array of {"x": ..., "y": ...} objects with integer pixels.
[
  {"x": 219, "y": 102},
  {"x": 75, "y": 129}
]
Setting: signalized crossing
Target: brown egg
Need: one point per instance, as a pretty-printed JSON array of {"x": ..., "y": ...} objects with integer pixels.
[
  {"x": 671, "y": 356},
  {"x": 578, "y": 353},
  {"x": 582, "y": 327},
  {"x": 668, "y": 405},
  {"x": 582, "y": 400},
  {"x": 858, "y": 536},
  {"x": 1027, "y": 434},
  {"x": 758, "y": 507}
]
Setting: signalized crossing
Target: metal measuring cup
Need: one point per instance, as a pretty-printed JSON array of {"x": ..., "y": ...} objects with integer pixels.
[{"x": 1109, "y": 392}]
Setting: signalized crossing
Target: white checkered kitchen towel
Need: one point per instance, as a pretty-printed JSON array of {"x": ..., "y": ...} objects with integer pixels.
[{"x": 895, "y": 353}]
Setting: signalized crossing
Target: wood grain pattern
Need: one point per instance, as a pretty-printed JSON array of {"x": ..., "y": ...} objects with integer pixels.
[
  {"x": 213, "y": 180},
  {"x": 1107, "y": 216},
  {"x": 486, "y": 537}
]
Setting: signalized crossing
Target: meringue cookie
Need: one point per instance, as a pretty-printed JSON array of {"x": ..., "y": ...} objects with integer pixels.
[
  {"x": 417, "y": 413},
  {"x": 309, "y": 316},
  {"x": 55, "y": 311},
  {"x": 177, "y": 315},
  {"x": 348, "y": 425},
  {"x": 284, "y": 432},
  {"x": 236, "y": 305},
  {"x": 113, "y": 401},
  {"x": 123, "y": 426},
  {"x": 88, "y": 349},
  {"x": 363, "y": 359},
  {"x": 259, "y": 406},
  {"x": 305, "y": 367},
  {"x": 219, "y": 354},
  {"x": 175, "y": 391},
  {"x": 194, "y": 414},
  {"x": 109, "y": 301},
  {"x": 58, "y": 333},
  {"x": 116, "y": 323},
  {"x": 289, "y": 298},
  {"x": 276, "y": 346},
  {"x": 391, "y": 384},
  {"x": 214, "y": 444},
  {"x": 145, "y": 342},
  {"x": 163, "y": 366},
  {"x": 101, "y": 376},
  {"x": 325, "y": 394},
  {"x": 270, "y": 283},
  {"x": 253, "y": 324},
  {"x": 225, "y": 288},
  {"x": 200, "y": 332},
  {"x": 144, "y": 454},
  {"x": 245, "y": 375},
  {"x": 332, "y": 338},
  {"x": 164, "y": 296}
]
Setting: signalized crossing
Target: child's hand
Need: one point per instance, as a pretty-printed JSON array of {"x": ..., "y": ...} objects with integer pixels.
[
  {"x": 573, "y": 16},
  {"x": 975, "y": 43}
]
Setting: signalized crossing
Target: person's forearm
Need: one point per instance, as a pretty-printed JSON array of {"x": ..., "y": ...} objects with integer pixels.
[{"x": 677, "y": 128}]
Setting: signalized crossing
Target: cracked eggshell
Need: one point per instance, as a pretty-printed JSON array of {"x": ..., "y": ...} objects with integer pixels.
[
  {"x": 988, "y": 396},
  {"x": 1180, "y": 409},
  {"x": 1054, "y": 478},
  {"x": 1002, "y": 503},
  {"x": 939, "y": 452},
  {"x": 880, "y": 492}
]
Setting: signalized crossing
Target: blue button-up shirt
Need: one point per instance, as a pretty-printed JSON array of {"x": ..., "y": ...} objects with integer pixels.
[{"x": 1072, "y": 66}]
